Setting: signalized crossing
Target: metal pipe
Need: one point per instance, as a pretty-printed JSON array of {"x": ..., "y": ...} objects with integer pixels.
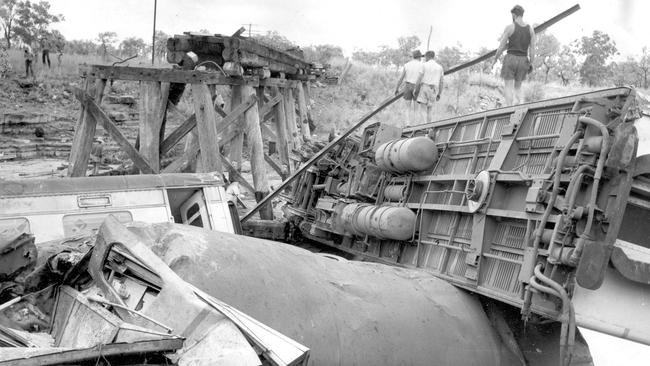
[
  {"x": 537, "y": 29},
  {"x": 554, "y": 193},
  {"x": 564, "y": 328},
  {"x": 576, "y": 180},
  {"x": 604, "y": 148},
  {"x": 321, "y": 153},
  {"x": 567, "y": 307}
]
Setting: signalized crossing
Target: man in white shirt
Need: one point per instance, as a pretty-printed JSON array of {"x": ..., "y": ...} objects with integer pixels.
[
  {"x": 432, "y": 84},
  {"x": 412, "y": 75}
]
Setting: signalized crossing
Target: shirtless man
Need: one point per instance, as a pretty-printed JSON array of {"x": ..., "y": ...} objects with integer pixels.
[{"x": 519, "y": 40}]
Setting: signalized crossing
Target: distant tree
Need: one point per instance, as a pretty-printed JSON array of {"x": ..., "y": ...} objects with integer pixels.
[
  {"x": 367, "y": 57},
  {"x": 484, "y": 67},
  {"x": 322, "y": 53},
  {"x": 132, "y": 46},
  {"x": 626, "y": 73},
  {"x": 275, "y": 40},
  {"x": 161, "y": 44},
  {"x": 644, "y": 66},
  {"x": 598, "y": 49},
  {"x": 8, "y": 14},
  {"x": 80, "y": 47},
  {"x": 388, "y": 56},
  {"x": 106, "y": 41},
  {"x": 547, "y": 53},
  {"x": 405, "y": 47},
  {"x": 58, "y": 40},
  {"x": 450, "y": 56},
  {"x": 33, "y": 20},
  {"x": 567, "y": 68}
]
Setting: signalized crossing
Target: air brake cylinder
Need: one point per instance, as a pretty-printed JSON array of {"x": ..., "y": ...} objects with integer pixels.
[
  {"x": 414, "y": 154},
  {"x": 383, "y": 222}
]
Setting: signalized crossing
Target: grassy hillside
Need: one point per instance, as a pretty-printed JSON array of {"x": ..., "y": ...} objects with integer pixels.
[
  {"x": 332, "y": 106},
  {"x": 365, "y": 86}
]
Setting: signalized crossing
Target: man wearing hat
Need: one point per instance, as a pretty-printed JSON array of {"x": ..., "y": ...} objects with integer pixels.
[
  {"x": 432, "y": 84},
  {"x": 519, "y": 41},
  {"x": 412, "y": 75}
]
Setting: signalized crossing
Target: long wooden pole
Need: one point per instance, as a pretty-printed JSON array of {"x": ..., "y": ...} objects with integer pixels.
[
  {"x": 383, "y": 105},
  {"x": 320, "y": 154},
  {"x": 153, "y": 38},
  {"x": 540, "y": 28}
]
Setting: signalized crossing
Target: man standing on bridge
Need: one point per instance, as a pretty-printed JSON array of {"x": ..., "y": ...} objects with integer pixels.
[
  {"x": 412, "y": 73},
  {"x": 432, "y": 83},
  {"x": 519, "y": 40}
]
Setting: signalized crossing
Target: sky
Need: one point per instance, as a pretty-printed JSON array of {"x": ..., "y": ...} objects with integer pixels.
[
  {"x": 359, "y": 24},
  {"x": 368, "y": 24}
]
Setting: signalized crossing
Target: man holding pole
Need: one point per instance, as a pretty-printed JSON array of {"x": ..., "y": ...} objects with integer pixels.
[{"x": 519, "y": 40}]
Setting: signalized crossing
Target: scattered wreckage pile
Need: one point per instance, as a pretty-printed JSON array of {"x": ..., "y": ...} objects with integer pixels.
[
  {"x": 121, "y": 297},
  {"x": 109, "y": 298}
]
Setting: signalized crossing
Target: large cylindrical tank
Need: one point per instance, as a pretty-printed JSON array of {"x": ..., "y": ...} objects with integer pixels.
[
  {"x": 383, "y": 222},
  {"x": 414, "y": 154},
  {"x": 347, "y": 313}
]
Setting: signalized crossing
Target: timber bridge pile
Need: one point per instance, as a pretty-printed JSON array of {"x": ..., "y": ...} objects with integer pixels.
[{"x": 268, "y": 93}]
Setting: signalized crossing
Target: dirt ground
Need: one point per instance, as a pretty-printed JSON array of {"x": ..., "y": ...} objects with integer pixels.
[{"x": 37, "y": 122}]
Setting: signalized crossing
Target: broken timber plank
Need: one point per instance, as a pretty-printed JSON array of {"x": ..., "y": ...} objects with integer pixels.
[
  {"x": 177, "y": 135},
  {"x": 191, "y": 154},
  {"x": 268, "y": 107},
  {"x": 281, "y": 128},
  {"x": 163, "y": 75},
  {"x": 164, "y": 104},
  {"x": 273, "y": 164},
  {"x": 77, "y": 129},
  {"x": 235, "y": 149},
  {"x": 184, "y": 161},
  {"x": 290, "y": 112},
  {"x": 190, "y": 123},
  {"x": 256, "y": 145},
  {"x": 239, "y": 32},
  {"x": 75, "y": 356},
  {"x": 100, "y": 116},
  {"x": 150, "y": 122},
  {"x": 206, "y": 123},
  {"x": 235, "y": 176},
  {"x": 83, "y": 139},
  {"x": 268, "y": 133},
  {"x": 220, "y": 111},
  {"x": 302, "y": 109}
]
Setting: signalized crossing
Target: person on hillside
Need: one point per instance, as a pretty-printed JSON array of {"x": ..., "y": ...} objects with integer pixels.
[
  {"x": 519, "y": 41},
  {"x": 432, "y": 84},
  {"x": 60, "y": 44},
  {"x": 5, "y": 66},
  {"x": 412, "y": 74},
  {"x": 29, "y": 59},
  {"x": 45, "y": 50}
]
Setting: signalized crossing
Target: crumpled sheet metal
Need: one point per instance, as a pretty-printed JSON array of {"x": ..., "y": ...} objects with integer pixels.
[{"x": 348, "y": 313}]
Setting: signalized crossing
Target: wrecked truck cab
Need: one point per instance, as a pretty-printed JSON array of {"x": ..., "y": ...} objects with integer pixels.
[
  {"x": 121, "y": 303},
  {"x": 52, "y": 209}
]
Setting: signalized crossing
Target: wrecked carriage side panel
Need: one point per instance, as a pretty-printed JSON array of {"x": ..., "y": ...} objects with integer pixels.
[
  {"x": 347, "y": 312},
  {"x": 56, "y": 208}
]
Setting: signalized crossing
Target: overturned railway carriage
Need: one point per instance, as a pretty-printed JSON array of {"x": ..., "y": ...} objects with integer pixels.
[{"x": 524, "y": 205}]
